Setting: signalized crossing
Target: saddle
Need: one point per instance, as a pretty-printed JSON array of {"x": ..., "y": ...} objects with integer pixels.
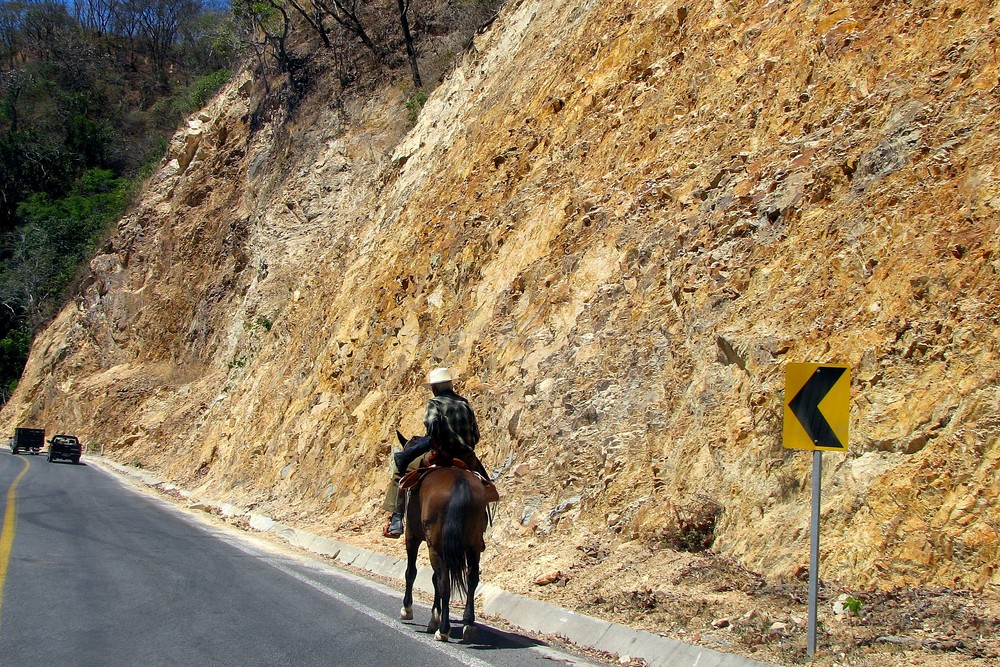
[{"x": 436, "y": 460}]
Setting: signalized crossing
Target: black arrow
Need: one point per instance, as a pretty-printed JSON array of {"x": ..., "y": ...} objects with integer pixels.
[{"x": 805, "y": 406}]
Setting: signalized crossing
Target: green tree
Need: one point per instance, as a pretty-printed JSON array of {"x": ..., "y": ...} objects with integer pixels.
[
  {"x": 13, "y": 355},
  {"x": 90, "y": 92}
]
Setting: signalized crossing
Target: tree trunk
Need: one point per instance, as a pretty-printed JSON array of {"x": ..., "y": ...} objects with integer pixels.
[{"x": 411, "y": 51}]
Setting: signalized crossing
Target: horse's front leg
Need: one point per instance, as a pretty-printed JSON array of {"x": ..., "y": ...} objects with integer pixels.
[
  {"x": 413, "y": 537},
  {"x": 469, "y": 617}
]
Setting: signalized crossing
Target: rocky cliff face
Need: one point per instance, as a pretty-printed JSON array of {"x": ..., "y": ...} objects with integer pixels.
[{"x": 617, "y": 222}]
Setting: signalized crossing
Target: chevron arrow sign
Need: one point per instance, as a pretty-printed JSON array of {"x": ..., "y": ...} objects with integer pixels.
[{"x": 817, "y": 406}]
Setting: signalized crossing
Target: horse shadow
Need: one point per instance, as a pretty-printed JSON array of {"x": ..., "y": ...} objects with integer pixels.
[{"x": 489, "y": 638}]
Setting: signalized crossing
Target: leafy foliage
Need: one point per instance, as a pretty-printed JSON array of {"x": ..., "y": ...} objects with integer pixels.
[
  {"x": 74, "y": 224},
  {"x": 54, "y": 237},
  {"x": 414, "y": 105},
  {"x": 90, "y": 91},
  {"x": 13, "y": 355},
  {"x": 201, "y": 91},
  {"x": 192, "y": 97}
]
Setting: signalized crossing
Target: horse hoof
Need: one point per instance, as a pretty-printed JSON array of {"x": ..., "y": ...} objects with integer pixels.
[
  {"x": 440, "y": 637},
  {"x": 468, "y": 634},
  {"x": 406, "y": 614}
]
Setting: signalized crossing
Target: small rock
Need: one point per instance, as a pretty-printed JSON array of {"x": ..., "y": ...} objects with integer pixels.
[
  {"x": 550, "y": 578},
  {"x": 721, "y": 623}
]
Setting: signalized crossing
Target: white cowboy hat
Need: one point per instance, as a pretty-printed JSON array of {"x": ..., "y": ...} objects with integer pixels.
[{"x": 438, "y": 376}]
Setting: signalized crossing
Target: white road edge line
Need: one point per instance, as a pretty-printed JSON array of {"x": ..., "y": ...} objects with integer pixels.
[
  {"x": 262, "y": 550},
  {"x": 391, "y": 623}
]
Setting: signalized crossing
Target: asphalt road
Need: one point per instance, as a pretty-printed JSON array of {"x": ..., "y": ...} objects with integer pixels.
[{"x": 94, "y": 573}]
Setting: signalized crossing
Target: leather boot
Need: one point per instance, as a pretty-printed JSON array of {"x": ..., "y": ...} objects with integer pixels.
[{"x": 394, "y": 528}]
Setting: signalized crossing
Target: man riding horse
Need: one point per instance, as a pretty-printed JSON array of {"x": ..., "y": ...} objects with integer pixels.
[{"x": 451, "y": 428}]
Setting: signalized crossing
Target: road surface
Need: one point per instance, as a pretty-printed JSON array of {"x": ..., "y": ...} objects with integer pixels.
[{"x": 94, "y": 573}]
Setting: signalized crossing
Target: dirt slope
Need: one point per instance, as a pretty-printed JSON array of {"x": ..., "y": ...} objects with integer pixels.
[{"x": 617, "y": 222}]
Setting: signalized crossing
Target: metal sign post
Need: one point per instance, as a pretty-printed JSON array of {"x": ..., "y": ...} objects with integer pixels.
[
  {"x": 814, "y": 552},
  {"x": 817, "y": 406}
]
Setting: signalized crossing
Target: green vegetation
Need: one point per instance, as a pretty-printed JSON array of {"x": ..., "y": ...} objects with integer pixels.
[
  {"x": 55, "y": 236},
  {"x": 193, "y": 96},
  {"x": 90, "y": 92},
  {"x": 263, "y": 322},
  {"x": 853, "y": 605},
  {"x": 414, "y": 105}
]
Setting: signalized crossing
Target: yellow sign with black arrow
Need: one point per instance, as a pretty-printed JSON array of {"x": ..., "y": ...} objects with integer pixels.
[
  {"x": 817, "y": 412},
  {"x": 817, "y": 406}
]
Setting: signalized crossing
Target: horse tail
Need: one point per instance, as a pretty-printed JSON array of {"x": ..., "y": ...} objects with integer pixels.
[{"x": 453, "y": 535}]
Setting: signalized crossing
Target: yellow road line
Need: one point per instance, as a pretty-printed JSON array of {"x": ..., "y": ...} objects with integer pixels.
[{"x": 9, "y": 526}]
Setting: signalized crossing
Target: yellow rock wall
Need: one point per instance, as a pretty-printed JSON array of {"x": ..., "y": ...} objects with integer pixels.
[{"x": 617, "y": 221}]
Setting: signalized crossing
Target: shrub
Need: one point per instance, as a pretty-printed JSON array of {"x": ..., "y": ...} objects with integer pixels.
[
  {"x": 414, "y": 105},
  {"x": 204, "y": 87},
  {"x": 693, "y": 526}
]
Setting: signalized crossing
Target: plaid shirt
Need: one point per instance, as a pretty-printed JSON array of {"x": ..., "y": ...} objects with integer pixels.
[{"x": 451, "y": 423}]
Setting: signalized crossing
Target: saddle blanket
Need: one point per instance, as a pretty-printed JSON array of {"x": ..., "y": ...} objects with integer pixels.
[{"x": 413, "y": 478}]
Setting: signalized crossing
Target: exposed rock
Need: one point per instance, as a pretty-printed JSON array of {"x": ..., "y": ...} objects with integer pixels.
[
  {"x": 548, "y": 578},
  {"x": 617, "y": 222}
]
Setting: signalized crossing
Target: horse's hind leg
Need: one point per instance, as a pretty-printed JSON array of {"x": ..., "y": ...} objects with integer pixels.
[
  {"x": 412, "y": 547},
  {"x": 469, "y": 617},
  {"x": 442, "y": 596},
  {"x": 435, "y": 621}
]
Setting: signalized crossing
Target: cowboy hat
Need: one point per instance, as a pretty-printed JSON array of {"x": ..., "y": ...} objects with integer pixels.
[{"x": 438, "y": 376}]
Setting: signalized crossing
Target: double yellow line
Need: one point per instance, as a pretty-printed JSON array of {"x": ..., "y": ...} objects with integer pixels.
[{"x": 7, "y": 532}]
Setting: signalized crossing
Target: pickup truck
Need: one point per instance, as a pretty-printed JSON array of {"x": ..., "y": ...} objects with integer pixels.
[
  {"x": 27, "y": 440},
  {"x": 64, "y": 447}
]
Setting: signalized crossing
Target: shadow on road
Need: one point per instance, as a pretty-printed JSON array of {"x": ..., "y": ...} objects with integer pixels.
[{"x": 487, "y": 638}]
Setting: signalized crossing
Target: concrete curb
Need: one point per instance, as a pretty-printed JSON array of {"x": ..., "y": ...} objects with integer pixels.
[{"x": 523, "y": 612}]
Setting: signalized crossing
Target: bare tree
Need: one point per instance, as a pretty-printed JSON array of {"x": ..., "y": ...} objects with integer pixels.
[
  {"x": 10, "y": 28},
  {"x": 12, "y": 85},
  {"x": 265, "y": 28},
  {"x": 411, "y": 51},
  {"x": 25, "y": 282},
  {"x": 97, "y": 16},
  {"x": 45, "y": 27},
  {"x": 314, "y": 17},
  {"x": 159, "y": 22},
  {"x": 346, "y": 13}
]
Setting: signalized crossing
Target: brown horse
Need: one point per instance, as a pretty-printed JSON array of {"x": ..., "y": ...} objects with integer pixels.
[{"x": 448, "y": 511}]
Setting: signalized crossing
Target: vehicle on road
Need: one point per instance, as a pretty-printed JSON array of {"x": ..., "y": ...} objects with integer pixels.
[
  {"x": 64, "y": 447},
  {"x": 29, "y": 440}
]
